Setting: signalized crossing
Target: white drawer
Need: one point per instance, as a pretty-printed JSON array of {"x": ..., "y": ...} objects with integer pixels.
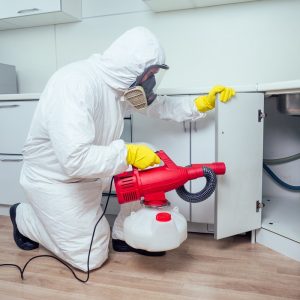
[
  {"x": 10, "y": 189},
  {"x": 15, "y": 120}
]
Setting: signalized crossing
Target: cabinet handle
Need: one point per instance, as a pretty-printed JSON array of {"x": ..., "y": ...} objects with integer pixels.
[
  {"x": 23, "y": 11},
  {"x": 11, "y": 159},
  {"x": 9, "y": 106}
]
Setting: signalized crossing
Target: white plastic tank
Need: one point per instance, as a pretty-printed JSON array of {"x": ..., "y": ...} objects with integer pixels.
[{"x": 155, "y": 229}]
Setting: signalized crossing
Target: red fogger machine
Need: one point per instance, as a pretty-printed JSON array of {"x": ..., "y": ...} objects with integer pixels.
[{"x": 156, "y": 225}]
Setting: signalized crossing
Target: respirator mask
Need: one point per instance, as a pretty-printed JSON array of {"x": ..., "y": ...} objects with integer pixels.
[{"x": 143, "y": 91}]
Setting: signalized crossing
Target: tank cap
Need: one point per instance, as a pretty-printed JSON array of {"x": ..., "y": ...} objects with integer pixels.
[{"x": 163, "y": 217}]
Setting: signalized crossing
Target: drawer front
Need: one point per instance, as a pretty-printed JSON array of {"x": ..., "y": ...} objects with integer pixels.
[
  {"x": 15, "y": 120},
  {"x": 10, "y": 189}
]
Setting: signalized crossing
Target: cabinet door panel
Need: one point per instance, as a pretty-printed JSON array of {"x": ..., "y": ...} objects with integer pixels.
[
  {"x": 15, "y": 120},
  {"x": 239, "y": 143},
  {"x": 171, "y": 137},
  {"x": 203, "y": 151}
]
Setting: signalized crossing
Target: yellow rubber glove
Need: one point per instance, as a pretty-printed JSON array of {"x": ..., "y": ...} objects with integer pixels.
[
  {"x": 207, "y": 102},
  {"x": 141, "y": 156}
]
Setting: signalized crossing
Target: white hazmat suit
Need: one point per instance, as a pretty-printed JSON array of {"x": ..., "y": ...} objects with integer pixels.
[{"x": 73, "y": 148}]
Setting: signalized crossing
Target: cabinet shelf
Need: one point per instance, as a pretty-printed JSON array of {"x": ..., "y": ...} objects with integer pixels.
[{"x": 281, "y": 216}]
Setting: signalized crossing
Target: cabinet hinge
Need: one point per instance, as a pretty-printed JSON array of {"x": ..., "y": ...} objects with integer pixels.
[
  {"x": 259, "y": 205},
  {"x": 261, "y": 115}
]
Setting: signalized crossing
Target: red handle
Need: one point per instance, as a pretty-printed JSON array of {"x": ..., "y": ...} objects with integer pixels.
[{"x": 166, "y": 159}]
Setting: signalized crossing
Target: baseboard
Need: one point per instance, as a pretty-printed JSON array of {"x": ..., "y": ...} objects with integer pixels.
[
  {"x": 4, "y": 210},
  {"x": 200, "y": 227}
]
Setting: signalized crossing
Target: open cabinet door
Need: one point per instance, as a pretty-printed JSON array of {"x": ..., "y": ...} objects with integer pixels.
[{"x": 239, "y": 143}]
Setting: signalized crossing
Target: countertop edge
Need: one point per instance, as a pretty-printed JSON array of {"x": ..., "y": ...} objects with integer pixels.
[
  {"x": 19, "y": 97},
  {"x": 292, "y": 86}
]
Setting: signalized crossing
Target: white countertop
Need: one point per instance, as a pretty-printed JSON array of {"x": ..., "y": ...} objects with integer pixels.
[
  {"x": 19, "y": 97},
  {"x": 204, "y": 89},
  {"x": 281, "y": 87}
]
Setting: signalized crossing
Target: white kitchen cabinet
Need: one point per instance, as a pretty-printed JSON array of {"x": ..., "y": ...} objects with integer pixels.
[{"x": 27, "y": 13}]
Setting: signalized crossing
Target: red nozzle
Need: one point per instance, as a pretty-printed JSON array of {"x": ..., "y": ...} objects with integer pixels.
[
  {"x": 196, "y": 170},
  {"x": 219, "y": 168}
]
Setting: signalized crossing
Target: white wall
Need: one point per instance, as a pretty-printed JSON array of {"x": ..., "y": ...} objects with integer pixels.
[{"x": 231, "y": 44}]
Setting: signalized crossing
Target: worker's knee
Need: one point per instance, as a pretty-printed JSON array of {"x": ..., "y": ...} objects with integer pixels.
[
  {"x": 77, "y": 254},
  {"x": 97, "y": 258}
]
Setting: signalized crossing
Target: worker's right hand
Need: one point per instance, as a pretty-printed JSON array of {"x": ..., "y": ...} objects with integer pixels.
[
  {"x": 141, "y": 156},
  {"x": 207, "y": 102}
]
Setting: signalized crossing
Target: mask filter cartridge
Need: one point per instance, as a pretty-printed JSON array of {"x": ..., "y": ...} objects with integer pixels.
[
  {"x": 141, "y": 93},
  {"x": 136, "y": 97}
]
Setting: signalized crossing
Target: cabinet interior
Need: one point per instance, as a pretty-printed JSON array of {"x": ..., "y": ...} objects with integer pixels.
[{"x": 281, "y": 139}]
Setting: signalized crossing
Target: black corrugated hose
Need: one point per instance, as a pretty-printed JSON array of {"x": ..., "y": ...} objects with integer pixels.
[{"x": 211, "y": 183}]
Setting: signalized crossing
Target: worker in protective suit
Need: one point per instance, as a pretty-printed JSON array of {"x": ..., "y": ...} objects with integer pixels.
[{"x": 73, "y": 147}]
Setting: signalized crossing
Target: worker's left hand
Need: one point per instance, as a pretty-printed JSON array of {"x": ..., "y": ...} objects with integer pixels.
[{"x": 207, "y": 102}]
